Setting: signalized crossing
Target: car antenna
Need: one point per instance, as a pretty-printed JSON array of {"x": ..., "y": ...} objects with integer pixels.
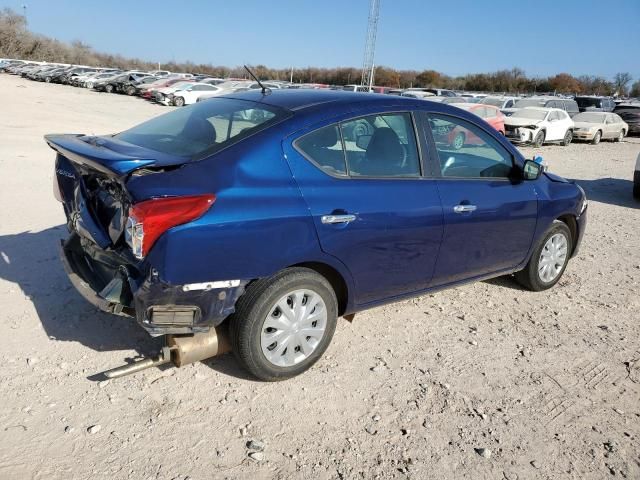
[{"x": 265, "y": 90}]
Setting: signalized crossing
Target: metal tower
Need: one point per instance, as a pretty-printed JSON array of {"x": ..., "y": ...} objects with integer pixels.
[{"x": 370, "y": 46}]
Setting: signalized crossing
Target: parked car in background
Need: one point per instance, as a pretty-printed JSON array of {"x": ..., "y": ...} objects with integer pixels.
[
  {"x": 308, "y": 224},
  {"x": 162, "y": 95},
  {"x": 357, "y": 88},
  {"x": 148, "y": 90},
  {"x": 190, "y": 94},
  {"x": 566, "y": 104},
  {"x": 500, "y": 102},
  {"x": 490, "y": 114},
  {"x": 630, "y": 113},
  {"x": 129, "y": 86},
  {"x": 417, "y": 94},
  {"x": 587, "y": 103},
  {"x": 91, "y": 81},
  {"x": 596, "y": 126},
  {"x": 539, "y": 125}
]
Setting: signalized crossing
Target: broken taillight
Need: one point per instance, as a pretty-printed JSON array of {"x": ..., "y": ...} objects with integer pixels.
[{"x": 151, "y": 218}]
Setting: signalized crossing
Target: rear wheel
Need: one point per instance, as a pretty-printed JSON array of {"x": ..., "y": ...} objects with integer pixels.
[
  {"x": 549, "y": 259},
  {"x": 48, "y": 79},
  {"x": 283, "y": 324},
  {"x": 567, "y": 138},
  {"x": 539, "y": 139},
  {"x": 596, "y": 138}
]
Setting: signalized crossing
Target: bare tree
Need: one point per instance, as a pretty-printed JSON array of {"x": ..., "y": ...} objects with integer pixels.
[{"x": 620, "y": 82}]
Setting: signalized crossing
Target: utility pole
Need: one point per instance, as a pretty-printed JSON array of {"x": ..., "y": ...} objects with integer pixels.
[
  {"x": 24, "y": 10},
  {"x": 291, "y": 77},
  {"x": 370, "y": 45}
]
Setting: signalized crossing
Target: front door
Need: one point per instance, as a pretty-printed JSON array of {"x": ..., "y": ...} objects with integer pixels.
[
  {"x": 489, "y": 218},
  {"x": 372, "y": 208}
]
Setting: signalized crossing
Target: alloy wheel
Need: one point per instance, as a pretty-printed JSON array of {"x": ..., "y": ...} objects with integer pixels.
[
  {"x": 553, "y": 257},
  {"x": 294, "y": 328}
]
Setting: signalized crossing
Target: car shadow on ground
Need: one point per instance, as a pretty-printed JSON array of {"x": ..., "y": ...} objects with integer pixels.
[
  {"x": 614, "y": 191},
  {"x": 30, "y": 261}
]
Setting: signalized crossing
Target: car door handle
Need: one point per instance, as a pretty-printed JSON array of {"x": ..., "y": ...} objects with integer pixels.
[
  {"x": 464, "y": 208},
  {"x": 329, "y": 219}
]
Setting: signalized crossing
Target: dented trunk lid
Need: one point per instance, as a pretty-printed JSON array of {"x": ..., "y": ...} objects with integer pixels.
[{"x": 92, "y": 173}]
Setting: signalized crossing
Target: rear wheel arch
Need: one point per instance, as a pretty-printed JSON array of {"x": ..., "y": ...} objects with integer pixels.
[{"x": 335, "y": 278}]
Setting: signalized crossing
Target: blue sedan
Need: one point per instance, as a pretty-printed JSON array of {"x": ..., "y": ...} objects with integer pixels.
[{"x": 260, "y": 218}]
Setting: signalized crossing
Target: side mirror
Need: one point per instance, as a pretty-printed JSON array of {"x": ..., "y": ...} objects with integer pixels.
[
  {"x": 531, "y": 170},
  {"x": 362, "y": 141}
]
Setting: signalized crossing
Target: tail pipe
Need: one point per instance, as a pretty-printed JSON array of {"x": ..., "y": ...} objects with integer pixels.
[{"x": 180, "y": 350}]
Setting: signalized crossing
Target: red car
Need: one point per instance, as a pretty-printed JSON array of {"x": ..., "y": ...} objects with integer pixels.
[
  {"x": 459, "y": 136},
  {"x": 151, "y": 88}
]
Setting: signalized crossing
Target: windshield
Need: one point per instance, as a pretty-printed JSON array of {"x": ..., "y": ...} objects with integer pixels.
[
  {"x": 529, "y": 102},
  {"x": 496, "y": 102},
  {"x": 589, "y": 117},
  {"x": 203, "y": 128},
  {"x": 530, "y": 114}
]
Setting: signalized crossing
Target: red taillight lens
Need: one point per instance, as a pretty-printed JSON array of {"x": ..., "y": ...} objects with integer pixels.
[{"x": 151, "y": 218}]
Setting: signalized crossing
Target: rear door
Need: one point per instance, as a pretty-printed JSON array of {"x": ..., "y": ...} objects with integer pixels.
[
  {"x": 489, "y": 218},
  {"x": 373, "y": 208}
]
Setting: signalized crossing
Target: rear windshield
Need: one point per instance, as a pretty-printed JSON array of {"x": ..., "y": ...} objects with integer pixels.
[
  {"x": 203, "y": 128},
  {"x": 585, "y": 102}
]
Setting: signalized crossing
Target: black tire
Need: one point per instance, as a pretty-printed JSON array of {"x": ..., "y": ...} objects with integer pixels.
[
  {"x": 458, "y": 141},
  {"x": 108, "y": 88},
  {"x": 178, "y": 101},
  {"x": 596, "y": 138},
  {"x": 539, "y": 139},
  {"x": 567, "y": 138},
  {"x": 636, "y": 185},
  {"x": 130, "y": 90},
  {"x": 529, "y": 276},
  {"x": 47, "y": 79},
  {"x": 620, "y": 136},
  {"x": 252, "y": 309}
]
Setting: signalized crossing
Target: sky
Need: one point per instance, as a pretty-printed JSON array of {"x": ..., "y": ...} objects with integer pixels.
[{"x": 542, "y": 37}]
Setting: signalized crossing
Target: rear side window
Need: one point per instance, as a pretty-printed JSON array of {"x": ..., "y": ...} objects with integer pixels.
[
  {"x": 381, "y": 146},
  {"x": 203, "y": 128},
  {"x": 324, "y": 148}
]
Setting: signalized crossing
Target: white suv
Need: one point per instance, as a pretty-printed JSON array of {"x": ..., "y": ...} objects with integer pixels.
[{"x": 538, "y": 125}]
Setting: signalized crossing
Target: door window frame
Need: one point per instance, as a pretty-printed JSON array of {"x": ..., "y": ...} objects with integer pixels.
[{"x": 434, "y": 157}]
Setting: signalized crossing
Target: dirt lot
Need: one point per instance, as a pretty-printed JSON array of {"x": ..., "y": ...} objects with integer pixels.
[{"x": 549, "y": 382}]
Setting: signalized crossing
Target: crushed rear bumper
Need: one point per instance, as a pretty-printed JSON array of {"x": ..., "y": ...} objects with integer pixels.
[{"x": 108, "y": 281}]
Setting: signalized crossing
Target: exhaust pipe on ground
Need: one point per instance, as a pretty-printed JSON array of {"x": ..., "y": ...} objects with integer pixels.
[{"x": 180, "y": 350}]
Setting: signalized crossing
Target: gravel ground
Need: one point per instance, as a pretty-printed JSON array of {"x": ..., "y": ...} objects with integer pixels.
[{"x": 484, "y": 381}]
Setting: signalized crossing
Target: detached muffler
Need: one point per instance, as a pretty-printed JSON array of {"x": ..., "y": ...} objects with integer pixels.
[{"x": 180, "y": 350}]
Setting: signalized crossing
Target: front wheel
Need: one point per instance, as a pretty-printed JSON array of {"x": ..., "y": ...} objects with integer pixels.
[
  {"x": 567, "y": 138},
  {"x": 549, "y": 259},
  {"x": 596, "y": 138},
  {"x": 178, "y": 101},
  {"x": 539, "y": 139},
  {"x": 620, "y": 136},
  {"x": 283, "y": 324},
  {"x": 108, "y": 88}
]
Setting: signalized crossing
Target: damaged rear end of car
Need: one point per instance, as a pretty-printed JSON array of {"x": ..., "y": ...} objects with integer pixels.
[{"x": 106, "y": 255}]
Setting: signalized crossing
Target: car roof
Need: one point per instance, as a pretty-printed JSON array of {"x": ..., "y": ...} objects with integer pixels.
[
  {"x": 544, "y": 109},
  {"x": 301, "y": 99}
]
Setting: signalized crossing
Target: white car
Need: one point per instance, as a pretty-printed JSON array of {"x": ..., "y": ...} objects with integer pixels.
[
  {"x": 190, "y": 93},
  {"x": 538, "y": 125},
  {"x": 595, "y": 126},
  {"x": 161, "y": 95}
]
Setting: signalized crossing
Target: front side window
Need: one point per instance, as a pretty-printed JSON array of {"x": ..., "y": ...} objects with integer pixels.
[
  {"x": 467, "y": 151},
  {"x": 381, "y": 146}
]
